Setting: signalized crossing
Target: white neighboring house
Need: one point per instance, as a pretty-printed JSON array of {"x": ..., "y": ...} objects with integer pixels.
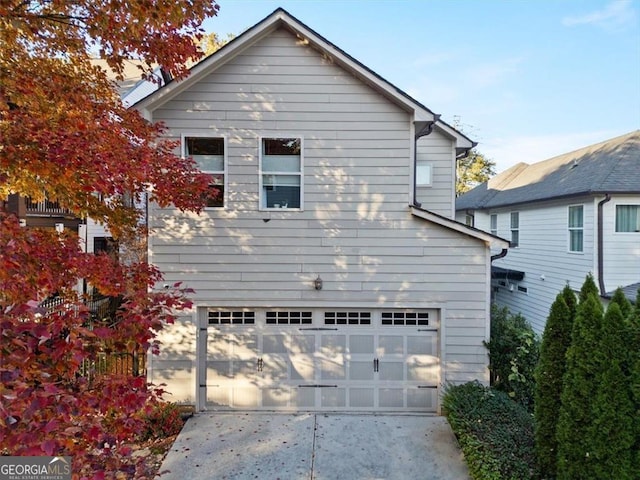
[
  {"x": 568, "y": 216},
  {"x": 326, "y": 276}
]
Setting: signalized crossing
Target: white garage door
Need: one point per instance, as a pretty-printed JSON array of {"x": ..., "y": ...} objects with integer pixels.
[{"x": 375, "y": 360}]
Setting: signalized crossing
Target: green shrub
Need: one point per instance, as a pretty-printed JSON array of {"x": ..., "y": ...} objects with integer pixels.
[
  {"x": 163, "y": 419},
  {"x": 513, "y": 355},
  {"x": 494, "y": 432},
  {"x": 549, "y": 374}
]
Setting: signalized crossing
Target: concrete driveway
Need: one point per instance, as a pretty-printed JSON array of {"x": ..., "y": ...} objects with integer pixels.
[{"x": 314, "y": 447}]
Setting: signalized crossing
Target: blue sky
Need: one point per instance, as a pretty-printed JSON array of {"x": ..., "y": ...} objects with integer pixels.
[{"x": 528, "y": 80}]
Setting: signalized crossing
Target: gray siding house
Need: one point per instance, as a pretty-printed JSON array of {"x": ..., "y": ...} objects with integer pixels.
[
  {"x": 329, "y": 272},
  {"x": 566, "y": 217}
]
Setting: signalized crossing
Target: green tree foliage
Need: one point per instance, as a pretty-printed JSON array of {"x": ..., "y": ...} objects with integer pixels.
[
  {"x": 513, "y": 355},
  {"x": 632, "y": 340},
  {"x": 621, "y": 300},
  {"x": 548, "y": 378},
  {"x": 611, "y": 435},
  {"x": 473, "y": 170},
  {"x": 588, "y": 287},
  {"x": 575, "y": 458}
]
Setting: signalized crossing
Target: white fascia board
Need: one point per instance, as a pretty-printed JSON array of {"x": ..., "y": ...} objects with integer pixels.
[{"x": 491, "y": 240}]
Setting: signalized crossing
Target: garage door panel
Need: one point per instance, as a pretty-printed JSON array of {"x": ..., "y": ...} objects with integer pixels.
[
  {"x": 391, "y": 371},
  {"x": 358, "y": 362},
  {"x": 275, "y": 368},
  {"x": 390, "y": 344},
  {"x": 422, "y": 398},
  {"x": 333, "y": 397},
  {"x": 303, "y": 367},
  {"x": 423, "y": 369},
  {"x": 361, "y": 371},
  {"x": 422, "y": 345},
  {"x": 334, "y": 369},
  {"x": 245, "y": 396},
  {"x": 361, "y": 344},
  {"x": 218, "y": 370},
  {"x": 361, "y": 397},
  {"x": 391, "y": 398}
]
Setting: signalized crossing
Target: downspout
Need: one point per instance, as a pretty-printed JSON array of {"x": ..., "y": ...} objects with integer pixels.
[
  {"x": 607, "y": 197},
  {"x": 426, "y": 130},
  {"x": 502, "y": 254}
]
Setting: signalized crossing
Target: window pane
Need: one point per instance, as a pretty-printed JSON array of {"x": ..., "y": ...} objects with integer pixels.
[
  {"x": 515, "y": 238},
  {"x": 423, "y": 175},
  {"x": 215, "y": 196},
  {"x": 210, "y": 163},
  {"x": 576, "y": 216},
  {"x": 281, "y": 146},
  {"x": 281, "y": 163},
  {"x": 627, "y": 218},
  {"x": 515, "y": 220},
  {"x": 204, "y": 146},
  {"x": 575, "y": 241},
  {"x": 278, "y": 180},
  {"x": 281, "y": 196}
]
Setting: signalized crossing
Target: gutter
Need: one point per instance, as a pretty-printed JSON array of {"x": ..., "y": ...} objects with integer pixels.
[
  {"x": 426, "y": 130},
  {"x": 607, "y": 197}
]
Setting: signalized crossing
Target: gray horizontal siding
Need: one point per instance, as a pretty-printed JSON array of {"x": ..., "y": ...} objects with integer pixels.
[{"x": 355, "y": 230}]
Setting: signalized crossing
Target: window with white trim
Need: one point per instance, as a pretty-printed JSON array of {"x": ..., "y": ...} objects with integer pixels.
[
  {"x": 515, "y": 229},
  {"x": 281, "y": 173},
  {"x": 576, "y": 228},
  {"x": 423, "y": 174},
  {"x": 209, "y": 154},
  {"x": 628, "y": 218},
  {"x": 493, "y": 222}
]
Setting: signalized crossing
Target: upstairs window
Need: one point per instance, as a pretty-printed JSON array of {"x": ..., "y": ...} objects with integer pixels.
[
  {"x": 423, "y": 174},
  {"x": 515, "y": 229},
  {"x": 493, "y": 220},
  {"x": 209, "y": 154},
  {"x": 628, "y": 218},
  {"x": 281, "y": 173},
  {"x": 576, "y": 229}
]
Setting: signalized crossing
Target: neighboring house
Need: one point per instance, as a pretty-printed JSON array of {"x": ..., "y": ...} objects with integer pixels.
[
  {"x": 320, "y": 283},
  {"x": 566, "y": 217}
]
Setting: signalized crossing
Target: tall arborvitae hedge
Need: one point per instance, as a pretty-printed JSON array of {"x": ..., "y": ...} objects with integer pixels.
[
  {"x": 597, "y": 430},
  {"x": 634, "y": 377},
  {"x": 611, "y": 435},
  {"x": 588, "y": 287},
  {"x": 575, "y": 458},
  {"x": 549, "y": 375}
]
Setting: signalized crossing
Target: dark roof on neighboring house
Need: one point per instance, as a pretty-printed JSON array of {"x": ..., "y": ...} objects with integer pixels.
[
  {"x": 612, "y": 166},
  {"x": 630, "y": 291}
]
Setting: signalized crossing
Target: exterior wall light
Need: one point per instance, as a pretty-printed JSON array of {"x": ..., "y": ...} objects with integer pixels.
[{"x": 317, "y": 283}]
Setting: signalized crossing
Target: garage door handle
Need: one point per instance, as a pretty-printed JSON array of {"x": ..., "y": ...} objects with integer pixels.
[
  {"x": 376, "y": 365},
  {"x": 259, "y": 365}
]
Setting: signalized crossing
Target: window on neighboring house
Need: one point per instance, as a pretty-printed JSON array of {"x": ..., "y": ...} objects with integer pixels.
[
  {"x": 209, "y": 154},
  {"x": 469, "y": 220},
  {"x": 493, "y": 219},
  {"x": 281, "y": 173},
  {"x": 423, "y": 175},
  {"x": 576, "y": 228},
  {"x": 515, "y": 229},
  {"x": 628, "y": 218}
]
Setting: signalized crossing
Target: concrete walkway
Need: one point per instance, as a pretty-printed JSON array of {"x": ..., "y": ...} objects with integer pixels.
[{"x": 314, "y": 447}]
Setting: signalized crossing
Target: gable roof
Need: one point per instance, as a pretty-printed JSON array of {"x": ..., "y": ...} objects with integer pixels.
[
  {"x": 445, "y": 222},
  {"x": 280, "y": 18},
  {"x": 612, "y": 166}
]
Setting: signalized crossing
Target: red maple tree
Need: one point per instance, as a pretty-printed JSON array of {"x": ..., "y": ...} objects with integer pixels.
[{"x": 65, "y": 135}]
